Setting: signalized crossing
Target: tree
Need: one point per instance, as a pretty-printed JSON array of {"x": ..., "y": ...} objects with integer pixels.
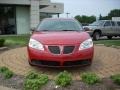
[
  {"x": 114, "y": 13},
  {"x": 85, "y": 19},
  {"x": 100, "y": 17}
]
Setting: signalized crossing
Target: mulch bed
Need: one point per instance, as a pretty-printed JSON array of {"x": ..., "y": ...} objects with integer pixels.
[{"x": 17, "y": 82}]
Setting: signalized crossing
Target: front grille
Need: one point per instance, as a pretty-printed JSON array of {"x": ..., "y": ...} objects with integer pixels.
[
  {"x": 45, "y": 63},
  {"x": 54, "y": 49},
  {"x": 76, "y": 63},
  {"x": 68, "y": 49}
]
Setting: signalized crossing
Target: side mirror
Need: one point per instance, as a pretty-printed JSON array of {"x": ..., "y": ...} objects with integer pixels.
[
  {"x": 33, "y": 30},
  {"x": 86, "y": 28}
]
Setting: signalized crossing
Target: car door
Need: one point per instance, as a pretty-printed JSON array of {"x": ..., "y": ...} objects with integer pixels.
[
  {"x": 114, "y": 28},
  {"x": 118, "y": 27},
  {"x": 107, "y": 30}
]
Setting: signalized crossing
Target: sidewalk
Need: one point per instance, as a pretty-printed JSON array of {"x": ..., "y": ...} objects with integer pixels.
[{"x": 5, "y": 88}]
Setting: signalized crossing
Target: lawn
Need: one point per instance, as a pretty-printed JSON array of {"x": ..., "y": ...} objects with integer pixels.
[
  {"x": 108, "y": 42},
  {"x": 22, "y": 40},
  {"x": 15, "y": 40}
]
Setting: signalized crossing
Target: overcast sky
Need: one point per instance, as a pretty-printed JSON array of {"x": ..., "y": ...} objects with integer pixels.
[{"x": 88, "y": 7}]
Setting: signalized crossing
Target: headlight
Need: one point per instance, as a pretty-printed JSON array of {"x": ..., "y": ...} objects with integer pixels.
[
  {"x": 35, "y": 44},
  {"x": 86, "y": 44}
]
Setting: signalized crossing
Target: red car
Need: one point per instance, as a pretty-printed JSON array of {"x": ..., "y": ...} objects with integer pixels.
[{"x": 60, "y": 43}]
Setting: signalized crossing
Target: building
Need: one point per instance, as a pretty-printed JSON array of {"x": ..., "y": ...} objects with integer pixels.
[
  {"x": 116, "y": 18},
  {"x": 19, "y": 16}
]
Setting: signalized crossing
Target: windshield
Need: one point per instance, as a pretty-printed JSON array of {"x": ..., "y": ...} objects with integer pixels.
[
  {"x": 59, "y": 25},
  {"x": 97, "y": 23}
]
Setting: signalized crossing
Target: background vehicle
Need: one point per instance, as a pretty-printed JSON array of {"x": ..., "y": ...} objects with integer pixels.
[{"x": 100, "y": 28}]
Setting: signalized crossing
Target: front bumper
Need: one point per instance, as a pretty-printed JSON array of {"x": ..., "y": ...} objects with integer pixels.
[{"x": 47, "y": 59}]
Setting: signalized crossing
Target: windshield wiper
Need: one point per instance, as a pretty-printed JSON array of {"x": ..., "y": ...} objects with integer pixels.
[
  {"x": 69, "y": 30},
  {"x": 44, "y": 30}
]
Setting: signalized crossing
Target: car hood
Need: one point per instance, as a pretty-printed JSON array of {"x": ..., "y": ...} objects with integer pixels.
[
  {"x": 92, "y": 27},
  {"x": 53, "y": 38}
]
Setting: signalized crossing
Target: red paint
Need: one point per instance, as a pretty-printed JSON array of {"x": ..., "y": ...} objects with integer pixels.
[{"x": 60, "y": 38}]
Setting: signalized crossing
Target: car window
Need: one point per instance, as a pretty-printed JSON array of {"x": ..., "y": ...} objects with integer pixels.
[
  {"x": 118, "y": 23},
  {"x": 97, "y": 23},
  {"x": 113, "y": 23},
  {"x": 58, "y": 25},
  {"x": 107, "y": 23}
]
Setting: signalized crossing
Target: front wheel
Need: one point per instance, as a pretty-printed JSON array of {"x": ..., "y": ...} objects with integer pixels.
[
  {"x": 109, "y": 37},
  {"x": 30, "y": 63},
  {"x": 96, "y": 36}
]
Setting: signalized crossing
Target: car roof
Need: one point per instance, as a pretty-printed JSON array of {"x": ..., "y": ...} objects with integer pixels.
[
  {"x": 108, "y": 20},
  {"x": 105, "y": 20}
]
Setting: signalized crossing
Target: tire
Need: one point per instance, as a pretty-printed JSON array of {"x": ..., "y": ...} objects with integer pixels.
[
  {"x": 96, "y": 36},
  {"x": 30, "y": 63},
  {"x": 109, "y": 37}
]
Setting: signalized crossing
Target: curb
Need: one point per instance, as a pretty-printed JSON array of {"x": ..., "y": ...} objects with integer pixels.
[{"x": 3, "y": 48}]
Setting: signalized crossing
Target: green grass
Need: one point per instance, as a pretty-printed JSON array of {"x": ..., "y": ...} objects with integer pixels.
[
  {"x": 34, "y": 81},
  {"x": 16, "y": 40},
  {"x": 22, "y": 40},
  {"x": 63, "y": 79},
  {"x": 6, "y": 72},
  {"x": 116, "y": 79},
  {"x": 90, "y": 78},
  {"x": 108, "y": 42}
]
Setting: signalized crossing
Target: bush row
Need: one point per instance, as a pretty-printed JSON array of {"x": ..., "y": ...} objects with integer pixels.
[
  {"x": 2, "y": 42},
  {"x": 34, "y": 81},
  {"x": 6, "y": 72}
]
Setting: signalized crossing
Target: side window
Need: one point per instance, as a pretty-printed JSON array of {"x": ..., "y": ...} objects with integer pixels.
[
  {"x": 113, "y": 23},
  {"x": 107, "y": 23},
  {"x": 118, "y": 23}
]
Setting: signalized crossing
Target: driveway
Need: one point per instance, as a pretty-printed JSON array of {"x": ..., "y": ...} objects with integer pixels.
[{"x": 106, "y": 62}]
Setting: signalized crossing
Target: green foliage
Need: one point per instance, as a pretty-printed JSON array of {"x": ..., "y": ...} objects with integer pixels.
[
  {"x": 2, "y": 41},
  {"x": 90, "y": 78},
  {"x": 34, "y": 81},
  {"x": 85, "y": 19},
  {"x": 17, "y": 40},
  {"x": 116, "y": 79},
  {"x": 63, "y": 79},
  {"x": 108, "y": 42},
  {"x": 113, "y": 13},
  {"x": 3, "y": 69},
  {"x": 6, "y": 72}
]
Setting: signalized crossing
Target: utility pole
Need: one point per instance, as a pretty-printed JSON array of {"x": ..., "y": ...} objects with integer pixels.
[
  {"x": 58, "y": 15},
  {"x": 67, "y": 14}
]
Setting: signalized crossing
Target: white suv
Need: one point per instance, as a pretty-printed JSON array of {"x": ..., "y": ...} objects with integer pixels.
[{"x": 100, "y": 28}]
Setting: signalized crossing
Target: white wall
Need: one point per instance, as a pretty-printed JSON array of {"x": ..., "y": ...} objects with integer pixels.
[
  {"x": 116, "y": 18},
  {"x": 23, "y": 19},
  {"x": 54, "y": 8}
]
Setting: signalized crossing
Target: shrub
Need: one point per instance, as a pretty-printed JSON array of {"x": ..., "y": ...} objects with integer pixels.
[
  {"x": 90, "y": 78},
  {"x": 3, "y": 69},
  {"x": 2, "y": 41},
  {"x": 32, "y": 75},
  {"x": 63, "y": 79},
  {"x": 34, "y": 81},
  {"x": 6, "y": 72},
  {"x": 116, "y": 79}
]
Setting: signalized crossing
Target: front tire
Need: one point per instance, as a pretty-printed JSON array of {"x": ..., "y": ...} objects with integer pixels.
[
  {"x": 109, "y": 37},
  {"x": 96, "y": 36},
  {"x": 30, "y": 63}
]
